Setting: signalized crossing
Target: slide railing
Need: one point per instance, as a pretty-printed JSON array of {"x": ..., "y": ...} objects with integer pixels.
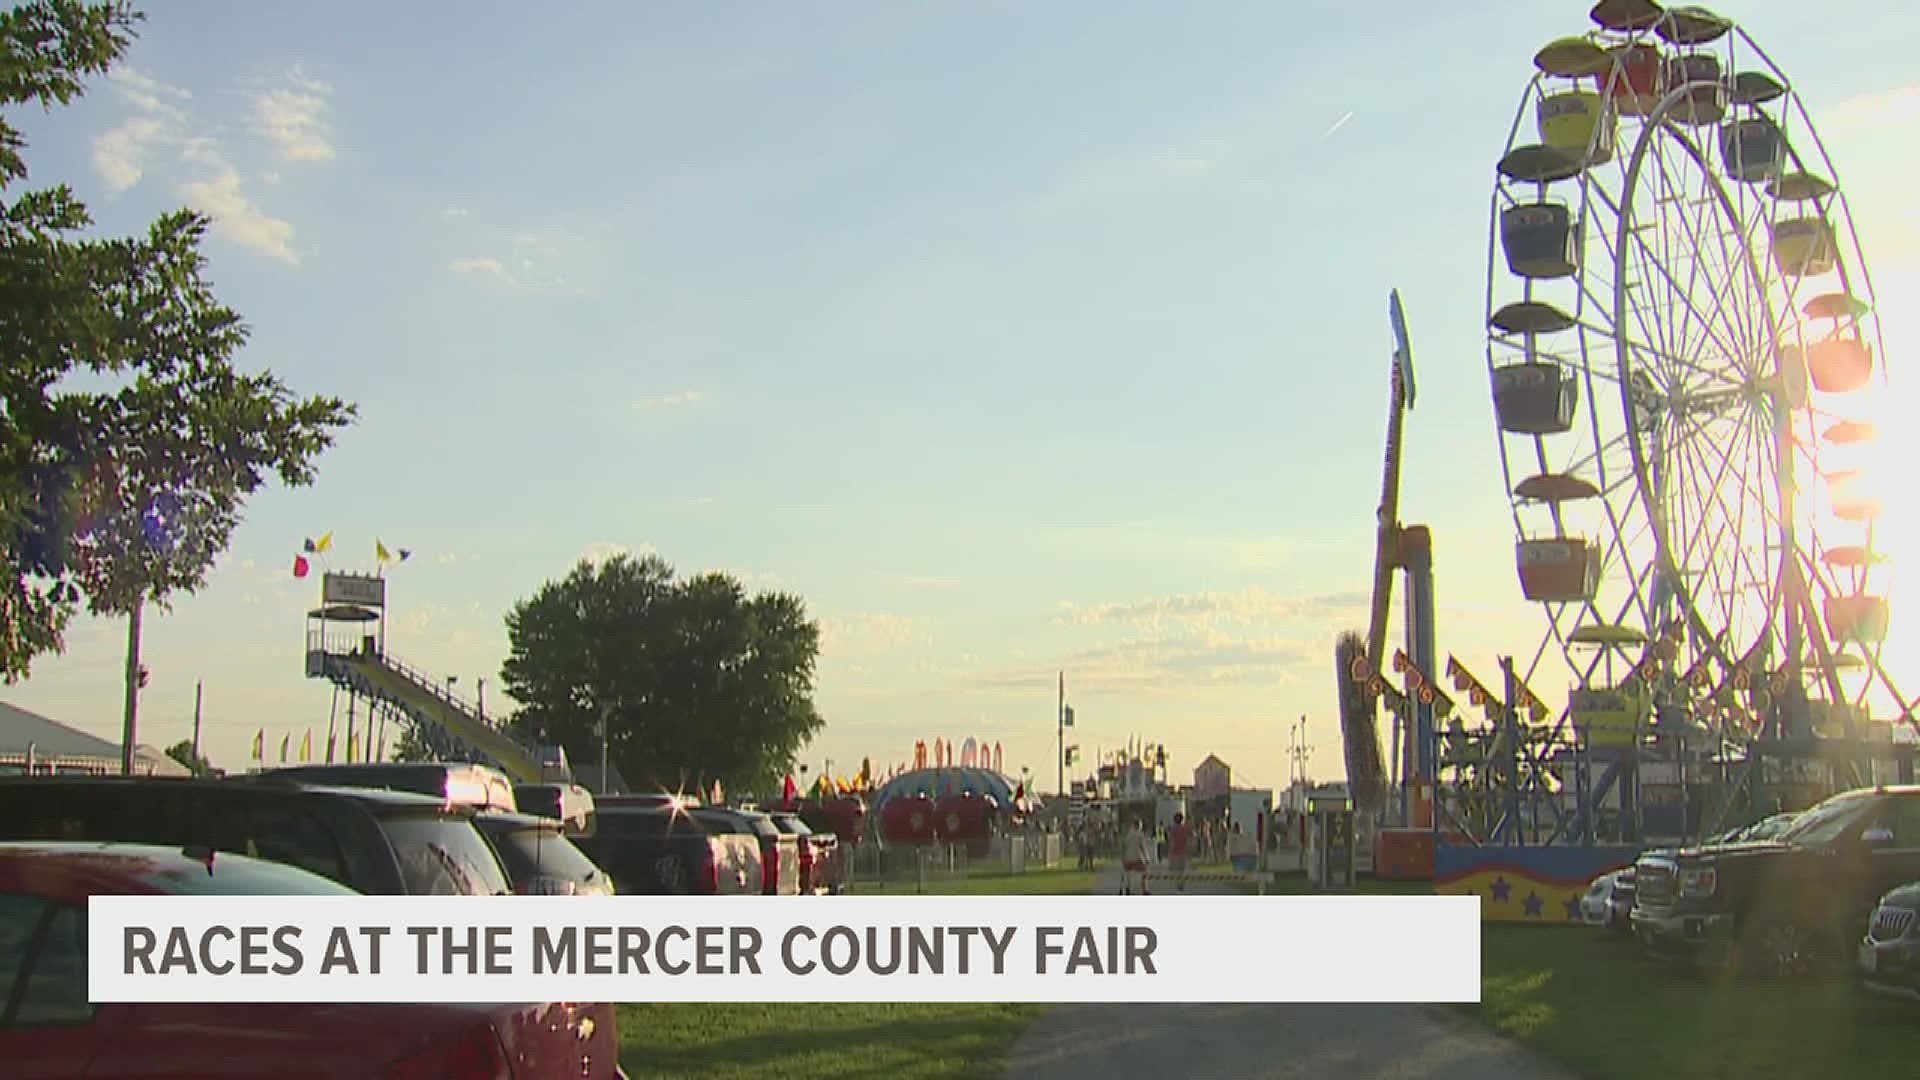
[{"x": 431, "y": 702}]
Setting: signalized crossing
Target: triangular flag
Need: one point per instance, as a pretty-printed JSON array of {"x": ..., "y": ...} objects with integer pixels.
[
  {"x": 325, "y": 542},
  {"x": 299, "y": 566},
  {"x": 309, "y": 546},
  {"x": 285, "y": 741},
  {"x": 260, "y": 745},
  {"x": 306, "y": 746},
  {"x": 789, "y": 790},
  {"x": 405, "y": 554},
  {"x": 380, "y": 552}
]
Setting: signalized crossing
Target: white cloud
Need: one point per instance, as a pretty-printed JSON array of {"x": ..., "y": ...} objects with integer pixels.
[
  {"x": 552, "y": 262},
  {"x": 667, "y": 401},
  {"x": 1174, "y": 667},
  {"x": 1253, "y": 604},
  {"x": 456, "y": 212},
  {"x": 295, "y": 120},
  {"x": 147, "y": 93},
  {"x": 478, "y": 264},
  {"x": 872, "y": 633},
  {"x": 123, "y": 155},
  {"x": 1878, "y": 112},
  {"x": 238, "y": 219},
  {"x": 599, "y": 553}
]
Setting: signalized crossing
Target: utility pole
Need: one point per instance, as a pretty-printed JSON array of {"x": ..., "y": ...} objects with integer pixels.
[
  {"x": 197, "y": 687},
  {"x": 605, "y": 716},
  {"x": 127, "y": 735},
  {"x": 1060, "y": 749}
]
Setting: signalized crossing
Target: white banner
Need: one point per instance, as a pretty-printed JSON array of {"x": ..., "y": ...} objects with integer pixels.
[{"x": 1225, "y": 949}]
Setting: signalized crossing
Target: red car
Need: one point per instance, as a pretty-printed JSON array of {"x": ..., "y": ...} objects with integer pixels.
[{"x": 49, "y": 1029}]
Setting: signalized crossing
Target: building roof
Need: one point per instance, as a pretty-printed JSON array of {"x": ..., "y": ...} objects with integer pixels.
[
  {"x": 1214, "y": 760},
  {"x": 18, "y": 727}
]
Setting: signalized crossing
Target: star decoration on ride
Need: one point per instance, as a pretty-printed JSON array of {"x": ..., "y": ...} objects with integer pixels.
[
  {"x": 1572, "y": 904},
  {"x": 1532, "y": 904},
  {"x": 1501, "y": 889}
]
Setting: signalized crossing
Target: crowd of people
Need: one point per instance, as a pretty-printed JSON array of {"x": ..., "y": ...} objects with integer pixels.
[{"x": 1177, "y": 845}]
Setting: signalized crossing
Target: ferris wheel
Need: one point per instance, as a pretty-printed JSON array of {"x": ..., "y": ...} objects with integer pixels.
[{"x": 1685, "y": 362}]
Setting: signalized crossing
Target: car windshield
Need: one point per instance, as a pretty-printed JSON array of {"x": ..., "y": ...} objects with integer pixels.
[
  {"x": 444, "y": 855},
  {"x": 1824, "y": 824},
  {"x": 537, "y": 851}
]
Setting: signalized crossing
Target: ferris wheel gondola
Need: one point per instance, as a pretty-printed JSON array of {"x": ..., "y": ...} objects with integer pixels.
[{"x": 1685, "y": 356}]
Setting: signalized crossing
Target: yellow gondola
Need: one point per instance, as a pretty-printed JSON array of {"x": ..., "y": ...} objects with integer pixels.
[
  {"x": 1804, "y": 246},
  {"x": 1571, "y": 58}
]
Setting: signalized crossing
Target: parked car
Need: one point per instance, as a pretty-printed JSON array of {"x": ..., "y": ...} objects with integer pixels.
[
  {"x": 374, "y": 841},
  {"x": 1782, "y": 906},
  {"x": 1608, "y": 901},
  {"x": 653, "y": 850},
  {"x": 539, "y": 858},
  {"x": 464, "y": 783},
  {"x": 822, "y": 867},
  {"x": 779, "y": 851},
  {"x": 570, "y": 804},
  {"x": 48, "y": 1027},
  {"x": 1889, "y": 956}
]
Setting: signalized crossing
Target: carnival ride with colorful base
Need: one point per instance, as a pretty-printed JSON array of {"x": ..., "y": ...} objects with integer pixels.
[{"x": 1685, "y": 358}]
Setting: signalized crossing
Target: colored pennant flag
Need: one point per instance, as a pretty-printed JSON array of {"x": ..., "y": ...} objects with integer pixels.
[
  {"x": 306, "y": 746},
  {"x": 285, "y": 742},
  {"x": 326, "y": 541},
  {"x": 405, "y": 554},
  {"x": 300, "y": 567},
  {"x": 789, "y": 791},
  {"x": 260, "y": 745},
  {"x": 1066, "y": 719},
  {"x": 308, "y": 546},
  {"x": 380, "y": 552},
  {"x": 1537, "y": 710}
]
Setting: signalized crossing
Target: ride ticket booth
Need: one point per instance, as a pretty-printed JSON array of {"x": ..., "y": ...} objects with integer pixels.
[{"x": 1330, "y": 842}]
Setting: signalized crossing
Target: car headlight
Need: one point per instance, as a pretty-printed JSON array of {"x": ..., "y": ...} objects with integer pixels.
[{"x": 1698, "y": 882}]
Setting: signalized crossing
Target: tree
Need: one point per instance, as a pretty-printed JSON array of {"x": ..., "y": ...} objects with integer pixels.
[
  {"x": 182, "y": 752},
  {"x": 698, "y": 681},
  {"x": 122, "y": 496}
]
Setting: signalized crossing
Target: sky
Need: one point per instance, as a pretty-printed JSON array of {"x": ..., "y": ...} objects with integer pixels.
[{"x": 1017, "y": 339}]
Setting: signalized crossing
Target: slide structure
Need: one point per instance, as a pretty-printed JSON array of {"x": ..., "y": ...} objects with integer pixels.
[{"x": 427, "y": 703}]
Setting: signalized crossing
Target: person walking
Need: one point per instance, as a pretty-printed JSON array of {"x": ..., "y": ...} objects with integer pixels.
[
  {"x": 1179, "y": 849},
  {"x": 1136, "y": 850}
]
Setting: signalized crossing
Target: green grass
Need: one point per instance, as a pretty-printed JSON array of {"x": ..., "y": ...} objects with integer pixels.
[
  {"x": 827, "y": 1041},
  {"x": 1594, "y": 1003}
]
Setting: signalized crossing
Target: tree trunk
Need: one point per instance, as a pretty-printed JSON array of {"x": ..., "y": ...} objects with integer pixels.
[{"x": 127, "y": 735}]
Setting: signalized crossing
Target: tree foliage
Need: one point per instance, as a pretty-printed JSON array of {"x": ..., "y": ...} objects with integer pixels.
[
  {"x": 699, "y": 680},
  {"x": 182, "y": 752},
  {"x": 125, "y": 493}
]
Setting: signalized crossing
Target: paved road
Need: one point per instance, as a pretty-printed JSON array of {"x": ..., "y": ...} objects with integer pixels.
[{"x": 1264, "y": 1042}]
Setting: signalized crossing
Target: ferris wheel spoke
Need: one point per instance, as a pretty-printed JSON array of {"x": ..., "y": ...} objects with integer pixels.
[
  {"x": 1684, "y": 243},
  {"x": 1698, "y": 214},
  {"x": 1726, "y": 546}
]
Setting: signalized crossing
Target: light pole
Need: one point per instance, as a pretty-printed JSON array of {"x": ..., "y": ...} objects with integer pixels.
[{"x": 480, "y": 686}]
